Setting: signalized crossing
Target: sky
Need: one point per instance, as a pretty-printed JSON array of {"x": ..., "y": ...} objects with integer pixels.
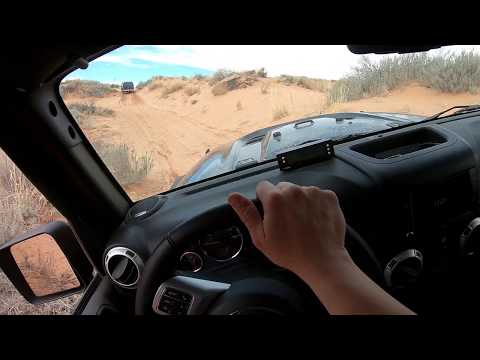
[{"x": 140, "y": 62}]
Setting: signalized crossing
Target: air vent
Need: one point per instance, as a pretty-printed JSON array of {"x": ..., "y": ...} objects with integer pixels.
[
  {"x": 400, "y": 144},
  {"x": 123, "y": 266}
]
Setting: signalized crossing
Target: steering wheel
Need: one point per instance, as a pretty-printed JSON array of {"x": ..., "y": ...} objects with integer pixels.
[{"x": 161, "y": 291}]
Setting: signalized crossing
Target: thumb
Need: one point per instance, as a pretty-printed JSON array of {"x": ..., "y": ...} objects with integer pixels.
[{"x": 248, "y": 213}]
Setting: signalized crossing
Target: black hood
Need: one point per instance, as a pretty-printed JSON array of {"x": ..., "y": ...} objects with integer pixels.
[{"x": 265, "y": 143}]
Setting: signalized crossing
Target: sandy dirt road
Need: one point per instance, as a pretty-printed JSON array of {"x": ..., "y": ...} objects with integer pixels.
[{"x": 178, "y": 129}]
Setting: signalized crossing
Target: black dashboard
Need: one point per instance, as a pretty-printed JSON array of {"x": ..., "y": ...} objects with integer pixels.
[{"x": 411, "y": 193}]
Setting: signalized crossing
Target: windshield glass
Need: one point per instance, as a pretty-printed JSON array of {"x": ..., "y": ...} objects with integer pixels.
[{"x": 163, "y": 116}]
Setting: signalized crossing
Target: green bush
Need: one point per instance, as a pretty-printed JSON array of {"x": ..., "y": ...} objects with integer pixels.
[
  {"x": 123, "y": 162},
  {"x": 447, "y": 72}
]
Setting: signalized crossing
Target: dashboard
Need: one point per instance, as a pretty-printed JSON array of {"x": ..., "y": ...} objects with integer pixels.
[{"x": 412, "y": 193}]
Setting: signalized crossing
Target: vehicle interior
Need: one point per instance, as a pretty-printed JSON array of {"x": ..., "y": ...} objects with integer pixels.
[{"x": 410, "y": 196}]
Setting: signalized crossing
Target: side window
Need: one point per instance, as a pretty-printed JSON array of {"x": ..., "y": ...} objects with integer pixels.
[{"x": 23, "y": 207}]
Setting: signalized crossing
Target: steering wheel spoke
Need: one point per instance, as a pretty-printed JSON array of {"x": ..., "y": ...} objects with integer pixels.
[{"x": 183, "y": 295}]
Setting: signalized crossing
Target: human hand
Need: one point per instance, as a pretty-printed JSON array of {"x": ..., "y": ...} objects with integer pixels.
[{"x": 303, "y": 228}]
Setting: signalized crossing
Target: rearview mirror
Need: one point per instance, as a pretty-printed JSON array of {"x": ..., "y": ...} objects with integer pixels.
[{"x": 46, "y": 263}]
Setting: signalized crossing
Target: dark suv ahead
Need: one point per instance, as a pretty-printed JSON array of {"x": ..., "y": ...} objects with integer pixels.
[{"x": 128, "y": 87}]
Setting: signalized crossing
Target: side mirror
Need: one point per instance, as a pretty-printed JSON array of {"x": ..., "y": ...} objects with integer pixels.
[{"x": 46, "y": 263}]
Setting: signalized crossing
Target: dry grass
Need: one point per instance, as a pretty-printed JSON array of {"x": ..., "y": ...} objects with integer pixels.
[
  {"x": 123, "y": 162},
  {"x": 280, "y": 113},
  {"x": 192, "y": 90},
  {"x": 149, "y": 82},
  {"x": 446, "y": 72},
  {"x": 83, "y": 112},
  {"x": 12, "y": 303},
  {"x": 85, "y": 88},
  {"x": 22, "y": 206},
  {"x": 305, "y": 82},
  {"x": 170, "y": 89},
  {"x": 262, "y": 73},
  {"x": 220, "y": 89},
  {"x": 219, "y": 75}
]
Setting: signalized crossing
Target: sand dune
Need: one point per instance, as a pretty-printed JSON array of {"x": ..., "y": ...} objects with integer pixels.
[{"x": 177, "y": 130}]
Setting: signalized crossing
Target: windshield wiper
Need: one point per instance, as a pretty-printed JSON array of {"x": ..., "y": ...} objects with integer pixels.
[{"x": 463, "y": 109}]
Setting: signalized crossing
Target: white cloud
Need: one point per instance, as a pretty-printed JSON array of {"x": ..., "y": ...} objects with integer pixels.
[
  {"x": 119, "y": 59},
  {"x": 320, "y": 61}
]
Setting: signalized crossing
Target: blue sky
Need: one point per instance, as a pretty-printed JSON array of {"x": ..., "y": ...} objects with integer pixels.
[
  {"x": 119, "y": 66},
  {"x": 141, "y": 62}
]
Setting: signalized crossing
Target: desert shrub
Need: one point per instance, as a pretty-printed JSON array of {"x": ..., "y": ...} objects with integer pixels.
[
  {"x": 454, "y": 73},
  {"x": 262, "y": 73},
  {"x": 305, "y": 82},
  {"x": 83, "y": 112},
  {"x": 220, "y": 89},
  {"x": 280, "y": 112},
  {"x": 447, "y": 72},
  {"x": 219, "y": 75},
  {"x": 115, "y": 86},
  {"x": 192, "y": 90},
  {"x": 193, "y": 102},
  {"x": 85, "y": 88},
  {"x": 90, "y": 109},
  {"x": 170, "y": 89},
  {"x": 123, "y": 162},
  {"x": 143, "y": 84},
  {"x": 239, "y": 105},
  {"x": 199, "y": 77}
]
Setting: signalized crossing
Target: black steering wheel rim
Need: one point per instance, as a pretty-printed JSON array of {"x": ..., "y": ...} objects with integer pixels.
[{"x": 161, "y": 264}]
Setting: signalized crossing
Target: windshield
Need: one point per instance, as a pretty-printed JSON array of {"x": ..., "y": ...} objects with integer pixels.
[{"x": 161, "y": 117}]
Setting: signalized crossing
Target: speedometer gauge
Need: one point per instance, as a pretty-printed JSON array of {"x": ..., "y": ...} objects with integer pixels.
[{"x": 222, "y": 245}]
